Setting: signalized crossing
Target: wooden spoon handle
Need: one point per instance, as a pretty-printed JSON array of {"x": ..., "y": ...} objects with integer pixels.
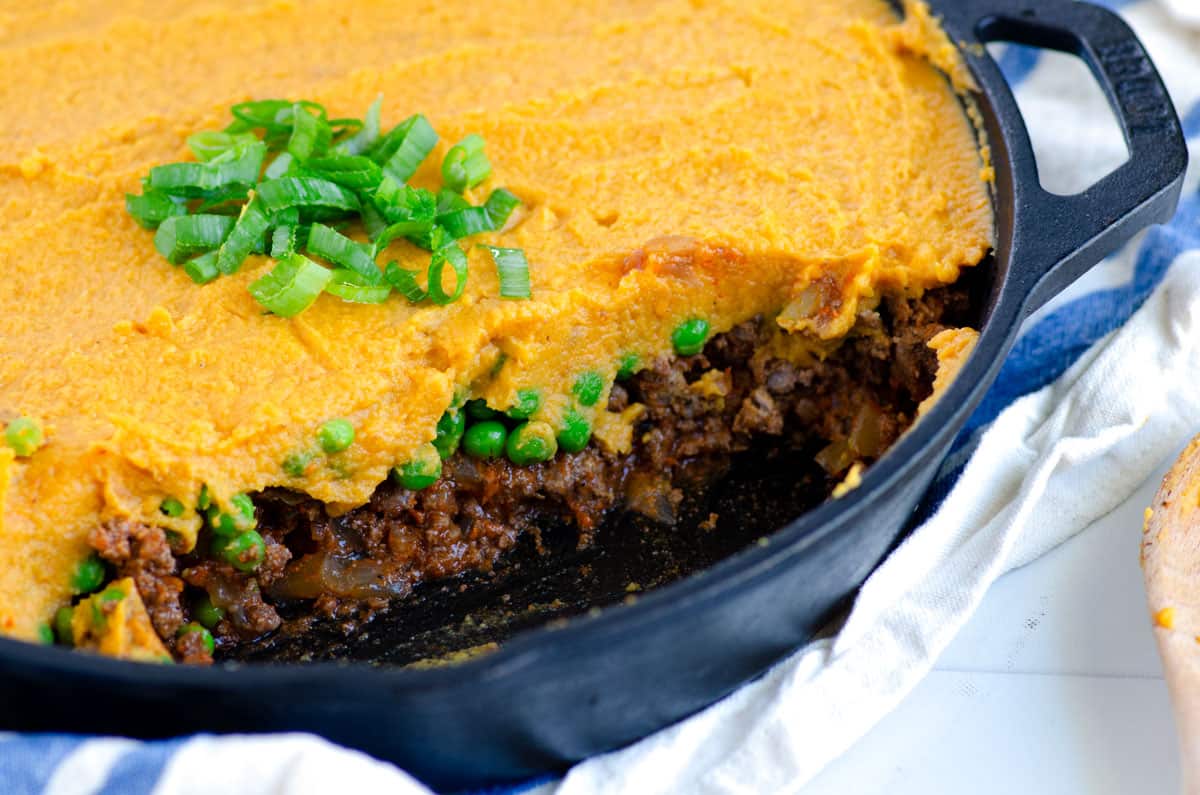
[{"x": 1171, "y": 567}]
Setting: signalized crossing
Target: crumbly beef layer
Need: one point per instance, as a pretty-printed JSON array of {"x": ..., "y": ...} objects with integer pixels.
[{"x": 700, "y": 410}]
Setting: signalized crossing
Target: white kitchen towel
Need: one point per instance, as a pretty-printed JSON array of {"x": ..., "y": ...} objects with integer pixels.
[{"x": 1040, "y": 469}]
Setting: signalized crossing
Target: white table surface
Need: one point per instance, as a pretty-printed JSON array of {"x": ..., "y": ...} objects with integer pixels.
[{"x": 1055, "y": 686}]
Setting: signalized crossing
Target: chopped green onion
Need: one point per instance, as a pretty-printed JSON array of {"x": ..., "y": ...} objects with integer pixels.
[
  {"x": 283, "y": 241},
  {"x": 372, "y": 220},
  {"x": 448, "y": 201},
  {"x": 45, "y": 634},
  {"x": 351, "y": 286},
  {"x": 367, "y": 135},
  {"x": 152, "y": 207},
  {"x": 409, "y": 212},
  {"x": 402, "y": 150},
  {"x": 251, "y": 225},
  {"x": 500, "y": 205},
  {"x": 238, "y": 166},
  {"x": 262, "y": 113},
  {"x": 310, "y": 134},
  {"x": 467, "y": 222},
  {"x": 281, "y": 166},
  {"x": 291, "y": 286},
  {"x": 466, "y": 164},
  {"x": 399, "y": 202},
  {"x": 209, "y": 144},
  {"x": 305, "y": 193},
  {"x": 343, "y": 252},
  {"x": 182, "y": 236},
  {"x": 404, "y": 281},
  {"x": 513, "y": 269},
  {"x": 351, "y": 171},
  {"x": 202, "y": 269},
  {"x": 458, "y": 261}
]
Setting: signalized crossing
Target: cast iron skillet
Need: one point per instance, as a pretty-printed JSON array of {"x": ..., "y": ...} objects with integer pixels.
[{"x": 603, "y": 678}]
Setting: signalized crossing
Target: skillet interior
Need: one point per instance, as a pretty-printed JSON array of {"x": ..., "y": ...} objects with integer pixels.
[
  {"x": 765, "y": 488},
  {"x": 550, "y": 698}
]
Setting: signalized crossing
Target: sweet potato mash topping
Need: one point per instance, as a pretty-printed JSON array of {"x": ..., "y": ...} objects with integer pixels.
[{"x": 677, "y": 162}]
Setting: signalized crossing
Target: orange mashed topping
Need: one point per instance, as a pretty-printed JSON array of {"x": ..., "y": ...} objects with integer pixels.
[{"x": 676, "y": 159}]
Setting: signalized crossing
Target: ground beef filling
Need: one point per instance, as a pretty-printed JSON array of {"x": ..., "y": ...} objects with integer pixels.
[{"x": 700, "y": 410}]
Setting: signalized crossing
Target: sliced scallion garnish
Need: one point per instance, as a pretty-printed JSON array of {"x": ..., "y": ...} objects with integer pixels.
[
  {"x": 402, "y": 150},
  {"x": 367, "y": 135},
  {"x": 238, "y": 166},
  {"x": 513, "y": 269},
  {"x": 202, "y": 269},
  {"x": 265, "y": 183},
  {"x": 343, "y": 252},
  {"x": 306, "y": 193},
  {"x": 467, "y": 222},
  {"x": 291, "y": 286},
  {"x": 448, "y": 253},
  {"x": 247, "y": 233},
  {"x": 351, "y": 286},
  {"x": 180, "y": 237},
  {"x": 152, "y": 207},
  {"x": 311, "y": 134},
  {"x": 466, "y": 164}
]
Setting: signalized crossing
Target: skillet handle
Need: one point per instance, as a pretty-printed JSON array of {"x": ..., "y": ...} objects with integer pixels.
[{"x": 1060, "y": 237}]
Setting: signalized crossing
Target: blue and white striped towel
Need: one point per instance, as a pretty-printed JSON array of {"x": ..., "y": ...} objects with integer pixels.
[{"x": 1081, "y": 413}]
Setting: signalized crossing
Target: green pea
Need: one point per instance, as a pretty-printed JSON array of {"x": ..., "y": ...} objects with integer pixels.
[
  {"x": 62, "y": 626},
  {"x": 239, "y": 517},
  {"x": 24, "y": 436},
  {"x": 628, "y": 364},
  {"x": 204, "y": 611},
  {"x": 528, "y": 402},
  {"x": 588, "y": 388},
  {"x": 88, "y": 576},
  {"x": 45, "y": 635},
  {"x": 478, "y": 409},
  {"x": 575, "y": 432},
  {"x": 422, "y": 471},
  {"x": 689, "y": 336},
  {"x": 531, "y": 443},
  {"x": 205, "y": 636},
  {"x": 450, "y": 430},
  {"x": 485, "y": 439},
  {"x": 296, "y": 464},
  {"x": 245, "y": 551},
  {"x": 171, "y": 507},
  {"x": 336, "y": 435}
]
